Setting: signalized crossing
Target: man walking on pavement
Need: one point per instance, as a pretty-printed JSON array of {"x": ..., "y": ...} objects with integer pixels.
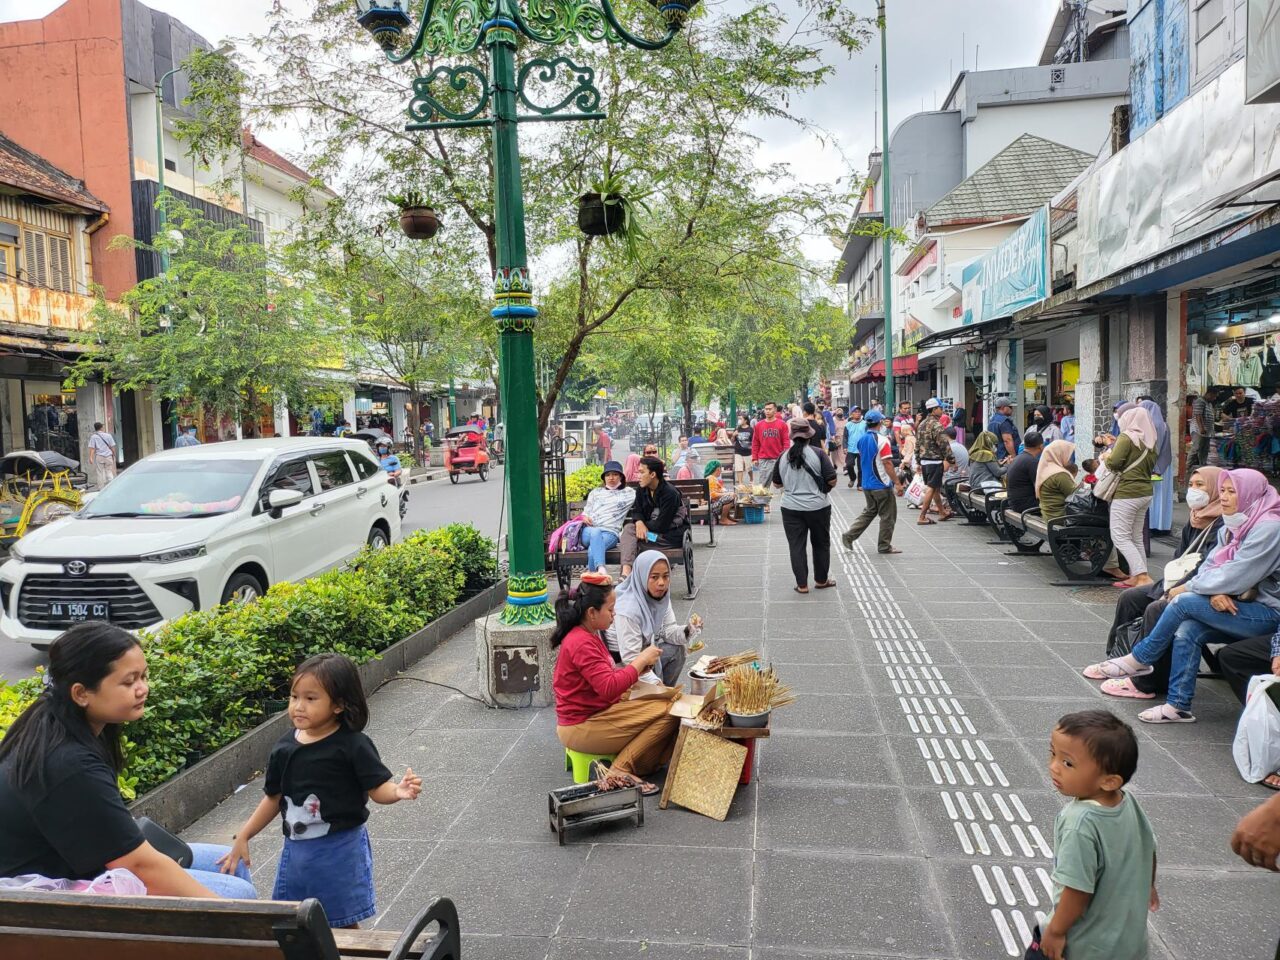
[
  {"x": 933, "y": 448},
  {"x": 903, "y": 419},
  {"x": 769, "y": 441},
  {"x": 880, "y": 485},
  {"x": 855, "y": 429},
  {"x": 102, "y": 455},
  {"x": 187, "y": 438}
]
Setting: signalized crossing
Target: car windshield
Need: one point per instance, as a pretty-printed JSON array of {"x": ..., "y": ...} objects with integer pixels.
[{"x": 175, "y": 488}]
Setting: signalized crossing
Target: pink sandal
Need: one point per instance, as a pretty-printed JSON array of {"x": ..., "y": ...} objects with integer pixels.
[
  {"x": 1112, "y": 670},
  {"x": 1125, "y": 688}
]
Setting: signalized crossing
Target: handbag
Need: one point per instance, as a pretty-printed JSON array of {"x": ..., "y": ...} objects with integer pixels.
[
  {"x": 1108, "y": 482},
  {"x": 1126, "y": 638},
  {"x": 1180, "y": 568}
]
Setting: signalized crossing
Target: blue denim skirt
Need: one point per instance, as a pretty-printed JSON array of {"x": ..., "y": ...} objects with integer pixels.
[{"x": 336, "y": 869}]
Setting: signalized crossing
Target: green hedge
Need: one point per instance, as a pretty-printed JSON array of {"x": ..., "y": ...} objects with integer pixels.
[
  {"x": 582, "y": 481},
  {"x": 214, "y": 672}
]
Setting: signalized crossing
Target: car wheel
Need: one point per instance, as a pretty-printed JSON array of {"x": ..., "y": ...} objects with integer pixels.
[
  {"x": 453, "y": 478},
  {"x": 242, "y": 588},
  {"x": 484, "y": 473},
  {"x": 378, "y": 538}
]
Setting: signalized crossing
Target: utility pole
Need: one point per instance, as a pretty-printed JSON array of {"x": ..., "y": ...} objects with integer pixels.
[{"x": 886, "y": 194}]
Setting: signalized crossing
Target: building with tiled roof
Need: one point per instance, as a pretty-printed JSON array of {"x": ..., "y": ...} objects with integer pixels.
[{"x": 23, "y": 172}]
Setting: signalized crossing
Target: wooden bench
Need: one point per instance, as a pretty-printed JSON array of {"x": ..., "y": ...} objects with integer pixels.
[
  {"x": 51, "y": 926},
  {"x": 697, "y": 498},
  {"x": 1079, "y": 543}
]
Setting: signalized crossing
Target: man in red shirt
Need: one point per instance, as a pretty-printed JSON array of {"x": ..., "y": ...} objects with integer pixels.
[{"x": 769, "y": 441}]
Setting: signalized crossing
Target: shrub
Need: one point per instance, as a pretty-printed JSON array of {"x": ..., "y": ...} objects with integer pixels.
[
  {"x": 214, "y": 671},
  {"x": 582, "y": 481}
]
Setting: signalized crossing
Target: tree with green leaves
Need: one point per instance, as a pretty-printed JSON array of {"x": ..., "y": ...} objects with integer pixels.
[{"x": 228, "y": 325}]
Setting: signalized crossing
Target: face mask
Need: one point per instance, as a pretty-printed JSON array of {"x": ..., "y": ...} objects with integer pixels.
[
  {"x": 1198, "y": 499},
  {"x": 1234, "y": 521}
]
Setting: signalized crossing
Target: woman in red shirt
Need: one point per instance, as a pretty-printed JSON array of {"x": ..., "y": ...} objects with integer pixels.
[{"x": 591, "y": 714}]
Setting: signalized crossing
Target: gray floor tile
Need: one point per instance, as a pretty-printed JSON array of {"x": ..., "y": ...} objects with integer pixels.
[
  {"x": 1212, "y": 914},
  {"x": 988, "y": 630},
  {"x": 504, "y": 948},
  {"x": 844, "y": 759},
  {"x": 872, "y": 905},
  {"x": 1032, "y": 613},
  {"x": 1048, "y": 680},
  {"x": 428, "y": 817},
  {"x": 872, "y": 820},
  {"x": 1193, "y": 833},
  {"x": 977, "y": 655},
  {"x": 818, "y": 713},
  {"x": 644, "y": 949},
  {"x": 617, "y": 882},
  {"x": 471, "y": 753},
  {"x": 805, "y": 679}
]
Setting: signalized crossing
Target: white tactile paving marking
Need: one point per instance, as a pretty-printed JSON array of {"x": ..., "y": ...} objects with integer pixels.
[{"x": 956, "y": 758}]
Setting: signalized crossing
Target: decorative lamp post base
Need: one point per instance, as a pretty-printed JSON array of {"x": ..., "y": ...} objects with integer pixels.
[
  {"x": 527, "y": 602},
  {"x": 516, "y": 662}
]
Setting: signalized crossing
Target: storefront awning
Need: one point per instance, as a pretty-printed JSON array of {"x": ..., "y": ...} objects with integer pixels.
[
  {"x": 907, "y": 366},
  {"x": 970, "y": 333}
]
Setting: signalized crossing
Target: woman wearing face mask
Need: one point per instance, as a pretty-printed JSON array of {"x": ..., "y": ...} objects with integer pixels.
[
  {"x": 1042, "y": 423},
  {"x": 643, "y": 618},
  {"x": 1246, "y": 562},
  {"x": 1200, "y": 535},
  {"x": 603, "y": 516}
]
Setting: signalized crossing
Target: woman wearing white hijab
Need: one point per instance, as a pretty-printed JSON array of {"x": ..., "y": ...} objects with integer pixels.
[
  {"x": 1132, "y": 457},
  {"x": 1161, "y": 518},
  {"x": 642, "y": 617}
]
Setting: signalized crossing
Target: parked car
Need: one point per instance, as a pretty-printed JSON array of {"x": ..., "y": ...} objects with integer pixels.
[{"x": 192, "y": 528}]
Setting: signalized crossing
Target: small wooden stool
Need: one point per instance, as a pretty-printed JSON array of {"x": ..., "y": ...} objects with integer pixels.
[{"x": 580, "y": 763}]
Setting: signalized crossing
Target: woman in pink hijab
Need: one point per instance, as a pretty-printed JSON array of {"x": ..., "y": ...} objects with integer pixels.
[
  {"x": 631, "y": 469},
  {"x": 1235, "y": 595}
]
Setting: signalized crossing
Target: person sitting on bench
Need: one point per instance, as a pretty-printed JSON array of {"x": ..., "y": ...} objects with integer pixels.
[
  {"x": 721, "y": 502},
  {"x": 1055, "y": 481},
  {"x": 643, "y": 617},
  {"x": 1022, "y": 474},
  {"x": 985, "y": 470},
  {"x": 659, "y": 517},
  {"x": 608, "y": 505},
  {"x": 61, "y": 813}
]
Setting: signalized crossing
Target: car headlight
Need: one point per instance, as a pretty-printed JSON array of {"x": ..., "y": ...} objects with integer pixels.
[{"x": 176, "y": 555}]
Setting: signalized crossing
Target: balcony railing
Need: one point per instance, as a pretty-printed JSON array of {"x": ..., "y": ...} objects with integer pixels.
[{"x": 28, "y": 306}]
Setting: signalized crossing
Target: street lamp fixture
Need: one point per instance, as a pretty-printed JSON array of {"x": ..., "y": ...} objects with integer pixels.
[{"x": 541, "y": 88}]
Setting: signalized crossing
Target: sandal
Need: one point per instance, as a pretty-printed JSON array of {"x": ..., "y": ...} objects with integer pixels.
[
  {"x": 800, "y": 589},
  {"x": 1113, "y": 670},
  {"x": 926, "y": 522},
  {"x": 1271, "y": 781},
  {"x": 824, "y": 584},
  {"x": 1126, "y": 688},
  {"x": 1166, "y": 714}
]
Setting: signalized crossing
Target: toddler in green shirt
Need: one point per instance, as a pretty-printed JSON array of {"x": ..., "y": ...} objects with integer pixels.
[{"x": 1104, "y": 865}]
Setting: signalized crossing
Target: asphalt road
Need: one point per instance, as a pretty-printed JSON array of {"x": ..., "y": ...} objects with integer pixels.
[{"x": 431, "y": 505}]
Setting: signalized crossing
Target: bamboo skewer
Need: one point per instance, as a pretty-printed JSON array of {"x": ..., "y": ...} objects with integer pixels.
[
  {"x": 751, "y": 691},
  {"x": 721, "y": 664}
]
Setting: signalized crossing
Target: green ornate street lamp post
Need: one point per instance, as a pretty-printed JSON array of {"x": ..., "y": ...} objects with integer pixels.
[{"x": 470, "y": 98}]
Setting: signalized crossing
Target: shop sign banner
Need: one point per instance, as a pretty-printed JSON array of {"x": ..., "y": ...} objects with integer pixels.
[{"x": 1013, "y": 276}]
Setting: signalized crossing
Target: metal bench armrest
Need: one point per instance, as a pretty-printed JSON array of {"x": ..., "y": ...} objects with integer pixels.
[{"x": 447, "y": 946}]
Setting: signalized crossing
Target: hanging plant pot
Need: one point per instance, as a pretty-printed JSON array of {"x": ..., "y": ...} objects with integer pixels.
[
  {"x": 674, "y": 12},
  {"x": 419, "y": 223},
  {"x": 599, "y": 219}
]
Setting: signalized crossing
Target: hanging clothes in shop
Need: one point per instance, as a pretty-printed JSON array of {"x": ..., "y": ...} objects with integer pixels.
[
  {"x": 1270, "y": 372},
  {"x": 1250, "y": 368}
]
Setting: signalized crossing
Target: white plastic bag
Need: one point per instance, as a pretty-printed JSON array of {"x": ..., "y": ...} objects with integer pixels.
[
  {"x": 118, "y": 882},
  {"x": 1257, "y": 744},
  {"x": 915, "y": 492}
]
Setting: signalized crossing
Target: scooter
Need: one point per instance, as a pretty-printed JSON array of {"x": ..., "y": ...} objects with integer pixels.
[{"x": 404, "y": 494}]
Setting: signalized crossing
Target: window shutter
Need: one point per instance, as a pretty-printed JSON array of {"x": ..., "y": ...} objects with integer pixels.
[
  {"x": 60, "y": 264},
  {"x": 33, "y": 255}
]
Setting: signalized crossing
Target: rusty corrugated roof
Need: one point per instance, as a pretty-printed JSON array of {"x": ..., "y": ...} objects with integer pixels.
[
  {"x": 31, "y": 173},
  {"x": 264, "y": 154}
]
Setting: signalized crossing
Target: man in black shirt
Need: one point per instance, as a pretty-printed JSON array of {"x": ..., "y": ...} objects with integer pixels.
[
  {"x": 742, "y": 450},
  {"x": 1021, "y": 478},
  {"x": 659, "y": 517},
  {"x": 819, "y": 438},
  {"x": 1238, "y": 406}
]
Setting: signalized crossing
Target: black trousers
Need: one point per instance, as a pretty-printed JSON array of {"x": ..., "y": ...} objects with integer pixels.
[
  {"x": 853, "y": 467},
  {"x": 1244, "y": 659},
  {"x": 815, "y": 526}
]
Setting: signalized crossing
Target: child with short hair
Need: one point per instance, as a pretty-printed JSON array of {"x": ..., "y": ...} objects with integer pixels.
[
  {"x": 1104, "y": 867},
  {"x": 320, "y": 776},
  {"x": 1090, "y": 468}
]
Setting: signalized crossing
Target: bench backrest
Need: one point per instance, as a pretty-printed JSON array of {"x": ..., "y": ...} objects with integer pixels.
[
  {"x": 693, "y": 489},
  {"x": 42, "y": 926}
]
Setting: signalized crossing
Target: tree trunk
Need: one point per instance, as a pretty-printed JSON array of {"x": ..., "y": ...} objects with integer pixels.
[
  {"x": 415, "y": 427},
  {"x": 686, "y": 400}
]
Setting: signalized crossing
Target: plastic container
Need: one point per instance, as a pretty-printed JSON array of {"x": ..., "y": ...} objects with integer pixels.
[
  {"x": 752, "y": 514},
  {"x": 748, "y": 719}
]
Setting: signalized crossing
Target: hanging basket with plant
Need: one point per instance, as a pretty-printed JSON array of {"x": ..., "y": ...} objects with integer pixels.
[
  {"x": 610, "y": 210},
  {"x": 418, "y": 219}
]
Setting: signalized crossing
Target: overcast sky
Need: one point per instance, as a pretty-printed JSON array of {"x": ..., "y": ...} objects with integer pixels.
[{"x": 929, "y": 41}]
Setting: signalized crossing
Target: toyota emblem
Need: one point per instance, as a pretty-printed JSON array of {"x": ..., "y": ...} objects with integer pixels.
[{"x": 77, "y": 568}]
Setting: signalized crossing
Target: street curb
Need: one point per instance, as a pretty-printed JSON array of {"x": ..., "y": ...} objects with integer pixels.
[{"x": 181, "y": 801}]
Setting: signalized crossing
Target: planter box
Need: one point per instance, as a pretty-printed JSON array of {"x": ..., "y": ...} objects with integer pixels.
[{"x": 181, "y": 801}]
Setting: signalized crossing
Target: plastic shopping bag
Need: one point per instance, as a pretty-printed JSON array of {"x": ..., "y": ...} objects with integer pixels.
[
  {"x": 915, "y": 492},
  {"x": 1257, "y": 745},
  {"x": 118, "y": 882}
]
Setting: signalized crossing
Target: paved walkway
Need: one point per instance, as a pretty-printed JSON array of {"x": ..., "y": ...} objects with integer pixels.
[{"x": 902, "y": 808}]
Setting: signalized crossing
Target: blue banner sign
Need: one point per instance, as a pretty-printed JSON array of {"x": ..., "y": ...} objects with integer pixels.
[{"x": 1012, "y": 276}]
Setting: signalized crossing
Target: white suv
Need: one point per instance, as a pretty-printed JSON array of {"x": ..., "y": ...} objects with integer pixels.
[{"x": 191, "y": 528}]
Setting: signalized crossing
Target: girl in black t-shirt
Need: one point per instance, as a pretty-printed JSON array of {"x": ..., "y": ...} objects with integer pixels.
[{"x": 320, "y": 776}]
